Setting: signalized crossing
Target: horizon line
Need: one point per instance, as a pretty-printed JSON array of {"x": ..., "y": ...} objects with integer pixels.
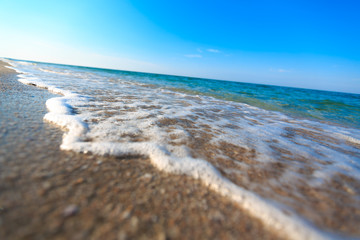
[{"x": 167, "y": 74}]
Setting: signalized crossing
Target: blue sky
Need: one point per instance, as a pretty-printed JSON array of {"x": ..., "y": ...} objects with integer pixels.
[{"x": 310, "y": 44}]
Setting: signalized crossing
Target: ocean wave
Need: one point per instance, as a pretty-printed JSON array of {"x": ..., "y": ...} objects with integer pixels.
[{"x": 265, "y": 161}]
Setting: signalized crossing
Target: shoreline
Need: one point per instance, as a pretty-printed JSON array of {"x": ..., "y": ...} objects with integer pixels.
[{"x": 48, "y": 193}]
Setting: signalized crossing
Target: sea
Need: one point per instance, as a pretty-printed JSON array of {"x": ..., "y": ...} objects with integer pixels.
[{"x": 288, "y": 156}]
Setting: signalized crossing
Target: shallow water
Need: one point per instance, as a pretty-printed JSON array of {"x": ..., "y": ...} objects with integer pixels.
[
  {"x": 297, "y": 150},
  {"x": 335, "y": 107}
]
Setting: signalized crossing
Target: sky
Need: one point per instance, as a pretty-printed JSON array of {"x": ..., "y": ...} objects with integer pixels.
[{"x": 308, "y": 44}]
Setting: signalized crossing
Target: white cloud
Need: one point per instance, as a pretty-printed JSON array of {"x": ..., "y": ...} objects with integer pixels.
[
  {"x": 193, "y": 56},
  {"x": 199, "y": 50},
  {"x": 279, "y": 70},
  {"x": 213, "y": 50}
]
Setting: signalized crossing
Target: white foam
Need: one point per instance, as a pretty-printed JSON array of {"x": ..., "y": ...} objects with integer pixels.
[
  {"x": 61, "y": 114},
  {"x": 348, "y": 138},
  {"x": 55, "y": 72}
]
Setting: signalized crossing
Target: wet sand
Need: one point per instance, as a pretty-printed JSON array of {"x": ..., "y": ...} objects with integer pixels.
[{"x": 46, "y": 193}]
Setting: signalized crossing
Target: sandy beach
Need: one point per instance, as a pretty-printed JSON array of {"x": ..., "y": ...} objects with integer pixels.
[{"x": 46, "y": 193}]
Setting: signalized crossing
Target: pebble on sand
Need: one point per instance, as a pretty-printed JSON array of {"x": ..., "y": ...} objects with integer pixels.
[{"x": 70, "y": 210}]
